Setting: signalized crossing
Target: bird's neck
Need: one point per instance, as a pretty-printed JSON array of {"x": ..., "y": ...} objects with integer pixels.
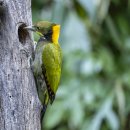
[
  {"x": 52, "y": 36},
  {"x": 55, "y": 34},
  {"x": 41, "y": 42},
  {"x": 41, "y": 39}
]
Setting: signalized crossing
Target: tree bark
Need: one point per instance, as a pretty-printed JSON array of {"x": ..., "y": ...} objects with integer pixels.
[{"x": 19, "y": 103}]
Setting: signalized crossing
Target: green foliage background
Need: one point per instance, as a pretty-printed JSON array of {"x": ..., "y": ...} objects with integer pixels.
[{"x": 95, "y": 86}]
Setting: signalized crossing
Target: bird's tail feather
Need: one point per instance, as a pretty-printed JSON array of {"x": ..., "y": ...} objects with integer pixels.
[
  {"x": 42, "y": 114},
  {"x": 43, "y": 111}
]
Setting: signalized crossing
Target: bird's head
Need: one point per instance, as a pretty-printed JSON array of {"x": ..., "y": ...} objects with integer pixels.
[{"x": 50, "y": 31}]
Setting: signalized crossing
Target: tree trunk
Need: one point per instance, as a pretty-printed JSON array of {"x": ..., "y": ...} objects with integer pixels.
[{"x": 19, "y": 103}]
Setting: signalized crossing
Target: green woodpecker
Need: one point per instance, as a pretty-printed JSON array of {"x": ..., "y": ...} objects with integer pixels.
[{"x": 47, "y": 62}]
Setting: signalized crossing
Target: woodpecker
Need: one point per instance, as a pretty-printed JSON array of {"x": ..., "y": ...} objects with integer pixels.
[{"x": 47, "y": 62}]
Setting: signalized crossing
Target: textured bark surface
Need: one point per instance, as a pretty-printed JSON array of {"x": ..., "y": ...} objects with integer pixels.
[{"x": 19, "y": 104}]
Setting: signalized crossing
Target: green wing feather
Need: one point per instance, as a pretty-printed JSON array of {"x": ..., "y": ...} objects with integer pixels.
[{"x": 51, "y": 58}]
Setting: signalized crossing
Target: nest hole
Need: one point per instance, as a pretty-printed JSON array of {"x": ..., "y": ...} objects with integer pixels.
[{"x": 22, "y": 33}]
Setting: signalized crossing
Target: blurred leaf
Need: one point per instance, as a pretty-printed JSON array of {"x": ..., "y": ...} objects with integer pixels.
[
  {"x": 102, "y": 10},
  {"x": 104, "y": 112},
  {"x": 54, "y": 115},
  {"x": 113, "y": 31},
  {"x": 80, "y": 10},
  {"x": 120, "y": 100},
  {"x": 107, "y": 61},
  {"x": 112, "y": 120},
  {"x": 77, "y": 113}
]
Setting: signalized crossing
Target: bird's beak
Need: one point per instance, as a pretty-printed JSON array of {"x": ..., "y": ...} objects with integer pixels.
[
  {"x": 34, "y": 29},
  {"x": 31, "y": 28}
]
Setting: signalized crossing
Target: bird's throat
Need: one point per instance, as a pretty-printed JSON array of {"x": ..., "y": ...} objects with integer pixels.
[{"x": 55, "y": 33}]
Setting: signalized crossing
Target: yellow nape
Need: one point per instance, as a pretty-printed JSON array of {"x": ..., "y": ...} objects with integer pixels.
[{"x": 55, "y": 33}]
